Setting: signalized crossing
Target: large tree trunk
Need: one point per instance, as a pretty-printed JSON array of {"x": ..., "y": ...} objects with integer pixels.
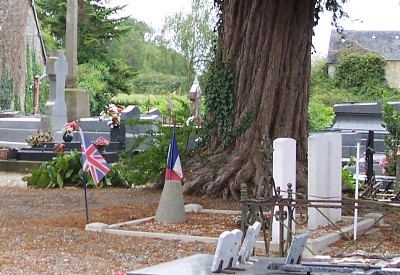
[{"x": 267, "y": 46}]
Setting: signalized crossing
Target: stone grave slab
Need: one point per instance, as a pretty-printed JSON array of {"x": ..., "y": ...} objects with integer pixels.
[{"x": 201, "y": 263}]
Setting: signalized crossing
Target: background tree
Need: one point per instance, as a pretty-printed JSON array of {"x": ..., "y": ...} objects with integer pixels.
[
  {"x": 192, "y": 34},
  {"x": 259, "y": 86}
]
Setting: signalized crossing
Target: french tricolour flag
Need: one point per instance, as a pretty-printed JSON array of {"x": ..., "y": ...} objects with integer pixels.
[{"x": 173, "y": 170}]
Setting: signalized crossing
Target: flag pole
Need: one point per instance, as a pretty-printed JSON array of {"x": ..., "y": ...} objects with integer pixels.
[
  {"x": 86, "y": 201},
  {"x": 170, "y": 150}
]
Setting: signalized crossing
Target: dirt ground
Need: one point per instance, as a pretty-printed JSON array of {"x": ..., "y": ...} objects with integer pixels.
[{"x": 42, "y": 231}]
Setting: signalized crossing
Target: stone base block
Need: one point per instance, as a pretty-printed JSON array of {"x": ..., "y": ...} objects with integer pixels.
[{"x": 78, "y": 104}]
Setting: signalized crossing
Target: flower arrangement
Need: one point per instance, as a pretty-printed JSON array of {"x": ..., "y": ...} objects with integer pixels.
[
  {"x": 388, "y": 163},
  {"x": 101, "y": 141},
  {"x": 114, "y": 113},
  {"x": 38, "y": 137},
  {"x": 69, "y": 127}
]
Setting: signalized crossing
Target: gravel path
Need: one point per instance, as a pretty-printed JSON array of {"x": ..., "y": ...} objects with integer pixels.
[{"x": 42, "y": 230}]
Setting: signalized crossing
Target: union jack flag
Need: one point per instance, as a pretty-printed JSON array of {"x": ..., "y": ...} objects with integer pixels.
[{"x": 92, "y": 160}]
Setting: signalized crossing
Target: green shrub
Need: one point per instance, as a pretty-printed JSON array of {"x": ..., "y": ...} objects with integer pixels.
[
  {"x": 149, "y": 164},
  {"x": 160, "y": 84},
  {"x": 391, "y": 123},
  {"x": 65, "y": 169},
  {"x": 92, "y": 77},
  {"x": 320, "y": 116},
  {"x": 355, "y": 70}
]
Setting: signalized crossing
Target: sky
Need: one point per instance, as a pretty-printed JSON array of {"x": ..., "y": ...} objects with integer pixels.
[{"x": 364, "y": 15}]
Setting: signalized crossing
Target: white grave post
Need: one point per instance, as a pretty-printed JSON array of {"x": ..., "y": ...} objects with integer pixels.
[
  {"x": 56, "y": 109},
  {"x": 317, "y": 177},
  {"x": 335, "y": 173},
  {"x": 284, "y": 172}
]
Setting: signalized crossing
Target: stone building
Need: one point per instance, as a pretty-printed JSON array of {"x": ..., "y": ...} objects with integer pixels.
[
  {"x": 19, "y": 35},
  {"x": 384, "y": 43}
]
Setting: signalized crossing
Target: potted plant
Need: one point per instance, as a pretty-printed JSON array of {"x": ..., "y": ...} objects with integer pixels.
[
  {"x": 68, "y": 131},
  {"x": 101, "y": 144},
  {"x": 36, "y": 138}
]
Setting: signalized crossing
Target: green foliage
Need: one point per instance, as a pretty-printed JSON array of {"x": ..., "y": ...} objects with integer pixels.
[
  {"x": 155, "y": 83},
  {"x": 391, "y": 123},
  {"x": 355, "y": 70},
  {"x": 325, "y": 93},
  {"x": 146, "y": 102},
  {"x": 97, "y": 27},
  {"x": 149, "y": 164},
  {"x": 219, "y": 103},
  {"x": 33, "y": 69},
  {"x": 348, "y": 181},
  {"x": 320, "y": 116},
  {"x": 192, "y": 34},
  {"x": 65, "y": 169},
  {"x": 93, "y": 77},
  {"x": 6, "y": 87}
]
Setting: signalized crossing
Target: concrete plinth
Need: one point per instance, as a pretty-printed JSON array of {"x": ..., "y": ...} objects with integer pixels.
[
  {"x": 171, "y": 208},
  {"x": 78, "y": 105}
]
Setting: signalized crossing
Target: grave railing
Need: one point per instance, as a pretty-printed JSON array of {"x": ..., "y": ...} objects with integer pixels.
[{"x": 278, "y": 208}]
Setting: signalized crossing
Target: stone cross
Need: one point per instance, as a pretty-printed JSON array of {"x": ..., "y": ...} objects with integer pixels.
[
  {"x": 56, "y": 109},
  {"x": 71, "y": 37}
]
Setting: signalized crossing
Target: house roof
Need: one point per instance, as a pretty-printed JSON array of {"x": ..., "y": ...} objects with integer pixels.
[{"x": 385, "y": 43}]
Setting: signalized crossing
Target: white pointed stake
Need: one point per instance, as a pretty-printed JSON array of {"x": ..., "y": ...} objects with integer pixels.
[{"x": 356, "y": 191}]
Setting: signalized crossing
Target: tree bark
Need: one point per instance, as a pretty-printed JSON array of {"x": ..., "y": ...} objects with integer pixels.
[{"x": 267, "y": 46}]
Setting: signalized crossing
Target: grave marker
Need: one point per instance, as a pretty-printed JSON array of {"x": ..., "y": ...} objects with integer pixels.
[
  {"x": 56, "y": 109},
  {"x": 284, "y": 172},
  {"x": 226, "y": 252},
  {"x": 324, "y": 176},
  {"x": 248, "y": 243}
]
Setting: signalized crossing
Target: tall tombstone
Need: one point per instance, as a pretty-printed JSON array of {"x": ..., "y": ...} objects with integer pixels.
[
  {"x": 284, "y": 172},
  {"x": 324, "y": 176},
  {"x": 56, "y": 109},
  {"x": 77, "y": 100},
  {"x": 335, "y": 173}
]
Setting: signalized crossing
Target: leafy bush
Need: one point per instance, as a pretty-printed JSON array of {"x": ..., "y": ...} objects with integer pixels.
[
  {"x": 355, "y": 70},
  {"x": 149, "y": 164},
  {"x": 65, "y": 169},
  {"x": 93, "y": 77},
  {"x": 320, "y": 116},
  {"x": 391, "y": 123},
  {"x": 160, "y": 84}
]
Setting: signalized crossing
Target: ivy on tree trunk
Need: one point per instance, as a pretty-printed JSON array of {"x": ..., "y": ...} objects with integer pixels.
[{"x": 267, "y": 47}]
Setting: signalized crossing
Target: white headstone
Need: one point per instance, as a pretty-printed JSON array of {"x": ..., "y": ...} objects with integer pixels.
[
  {"x": 335, "y": 173},
  {"x": 324, "y": 176},
  {"x": 249, "y": 242},
  {"x": 227, "y": 250},
  {"x": 284, "y": 172},
  {"x": 56, "y": 109}
]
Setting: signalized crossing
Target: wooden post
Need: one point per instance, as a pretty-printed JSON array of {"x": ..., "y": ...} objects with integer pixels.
[{"x": 36, "y": 88}]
